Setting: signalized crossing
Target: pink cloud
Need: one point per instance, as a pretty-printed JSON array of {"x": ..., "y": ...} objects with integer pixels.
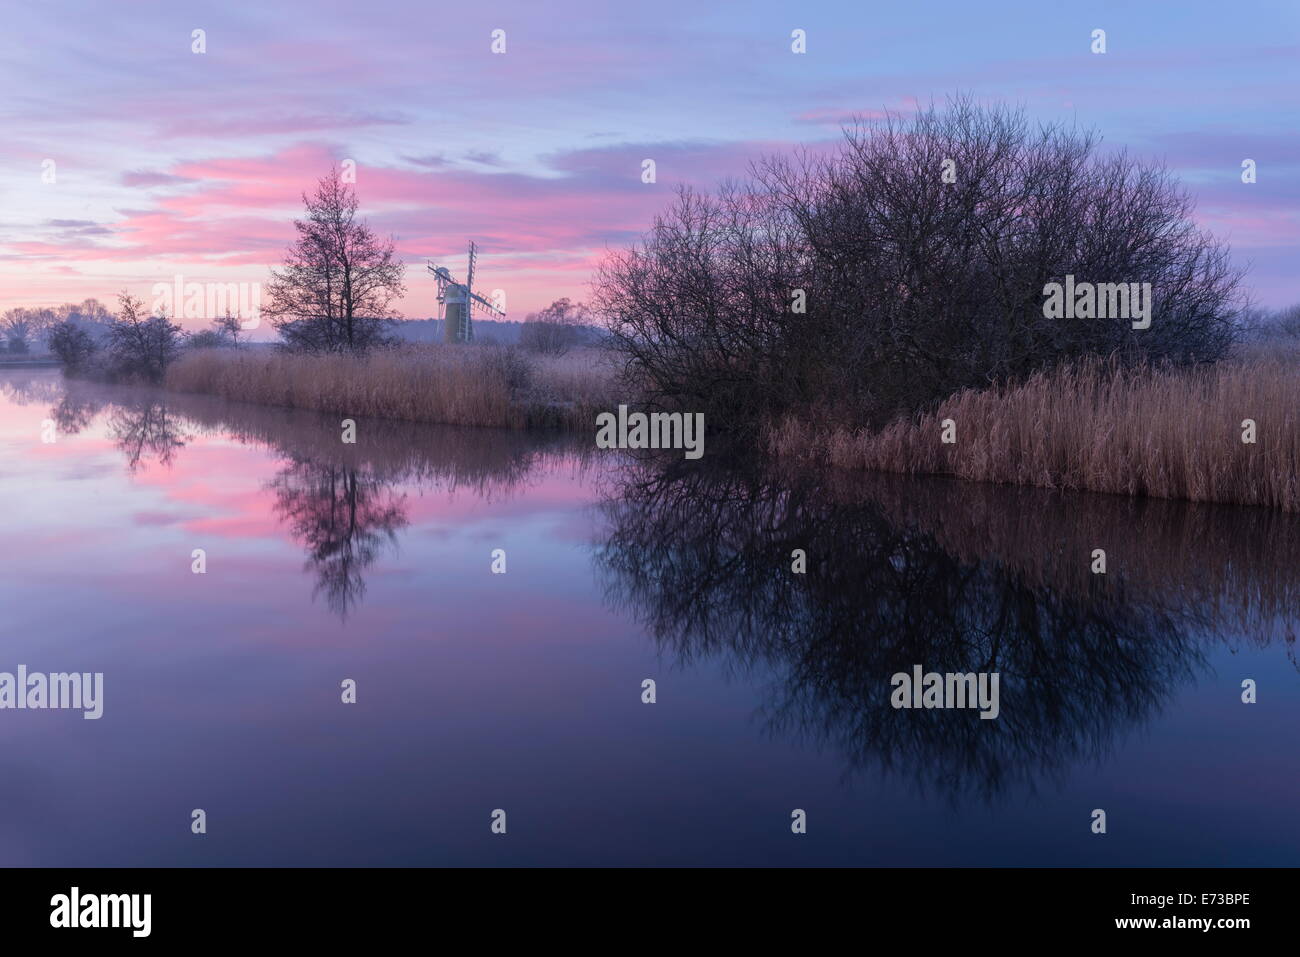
[{"x": 542, "y": 229}]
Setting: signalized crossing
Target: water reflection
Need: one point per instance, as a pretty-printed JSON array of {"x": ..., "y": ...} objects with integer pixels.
[
  {"x": 952, "y": 576},
  {"x": 147, "y": 431},
  {"x": 340, "y": 501},
  {"x": 344, "y": 517},
  {"x": 73, "y": 414},
  {"x": 25, "y": 387},
  {"x": 528, "y": 684}
]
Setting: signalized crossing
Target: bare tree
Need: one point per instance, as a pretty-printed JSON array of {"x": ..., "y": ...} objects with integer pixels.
[
  {"x": 71, "y": 345},
  {"x": 141, "y": 346},
  {"x": 555, "y": 329},
  {"x": 336, "y": 287},
  {"x": 206, "y": 339},
  {"x": 1287, "y": 321},
  {"x": 224, "y": 333},
  {"x": 75, "y": 333},
  {"x": 229, "y": 327},
  {"x": 87, "y": 311},
  {"x": 907, "y": 265},
  {"x": 23, "y": 328}
]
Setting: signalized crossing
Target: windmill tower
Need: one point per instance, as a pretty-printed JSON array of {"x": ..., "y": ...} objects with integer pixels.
[{"x": 457, "y": 301}]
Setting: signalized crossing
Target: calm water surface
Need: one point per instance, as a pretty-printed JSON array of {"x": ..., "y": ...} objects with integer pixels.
[{"x": 522, "y": 690}]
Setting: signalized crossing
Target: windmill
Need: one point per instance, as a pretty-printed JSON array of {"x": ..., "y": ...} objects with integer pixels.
[{"x": 459, "y": 300}]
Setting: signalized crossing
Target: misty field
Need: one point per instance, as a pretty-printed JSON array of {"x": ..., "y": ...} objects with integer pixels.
[
  {"x": 458, "y": 385},
  {"x": 1167, "y": 433}
]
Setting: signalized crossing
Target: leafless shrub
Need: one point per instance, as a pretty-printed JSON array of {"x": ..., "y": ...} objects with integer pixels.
[
  {"x": 141, "y": 347},
  {"x": 914, "y": 287},
  {"x": 21, "y": 329},
  {"x": 1287, "y": 321},
  {"x": 71, "y": 345},
  {"x": 553, "y": 330}
]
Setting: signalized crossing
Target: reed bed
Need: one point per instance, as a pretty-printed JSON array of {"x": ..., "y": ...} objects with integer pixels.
[
  {"x": 457, "y": 385},
  {"x": 1160, "y": 432}
]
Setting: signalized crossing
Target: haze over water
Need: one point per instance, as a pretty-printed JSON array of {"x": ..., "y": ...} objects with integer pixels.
[{"x": 522, "y": 690}]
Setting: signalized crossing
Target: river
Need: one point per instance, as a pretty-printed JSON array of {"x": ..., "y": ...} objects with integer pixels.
[{"x": 498, "y": 600}]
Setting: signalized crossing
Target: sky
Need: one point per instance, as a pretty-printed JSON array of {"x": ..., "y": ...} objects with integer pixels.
[{"x": 169, "y": 162}]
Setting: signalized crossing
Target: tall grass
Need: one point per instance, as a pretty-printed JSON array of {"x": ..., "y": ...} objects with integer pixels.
[
  {"x": 1140, "y": 431},
  {"x": 459, "y": 385}
]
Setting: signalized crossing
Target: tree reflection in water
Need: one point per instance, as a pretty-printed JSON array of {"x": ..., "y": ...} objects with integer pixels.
[
  {"x": 344, "y": 503},
  {"x": 344, "y": 518},
  {"x": 952, "y": 576}
]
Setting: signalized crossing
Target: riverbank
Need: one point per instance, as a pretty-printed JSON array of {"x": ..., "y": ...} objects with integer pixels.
[
  {"x": 455, "y": 385},
  {"x": 1228, "y": 432}
]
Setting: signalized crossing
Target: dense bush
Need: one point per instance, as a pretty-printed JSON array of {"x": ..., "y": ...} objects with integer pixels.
[
  {"x": 553, "y": 330},
  {"x": 913, "y": 286},
  {"x": 21, "y": 329},
  {"x": 207, "y": 339},
  {"x": 135, "y": 347},
  {"x": 141, "y": 347},
  {"x": 71, "y": 345}
]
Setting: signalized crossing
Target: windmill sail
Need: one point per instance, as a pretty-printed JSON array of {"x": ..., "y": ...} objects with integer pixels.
[{"x": 458, "y": 301}]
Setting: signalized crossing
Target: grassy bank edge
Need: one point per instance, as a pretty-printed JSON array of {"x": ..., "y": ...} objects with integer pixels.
[
  {"x": 456, "y": 385},
  {"x": 1228, "y": 432}
]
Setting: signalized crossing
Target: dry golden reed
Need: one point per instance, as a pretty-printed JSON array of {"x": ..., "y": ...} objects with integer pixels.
[
  {"x": 1166, "y": 433},
  {"x": 457, "y": 385}
]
